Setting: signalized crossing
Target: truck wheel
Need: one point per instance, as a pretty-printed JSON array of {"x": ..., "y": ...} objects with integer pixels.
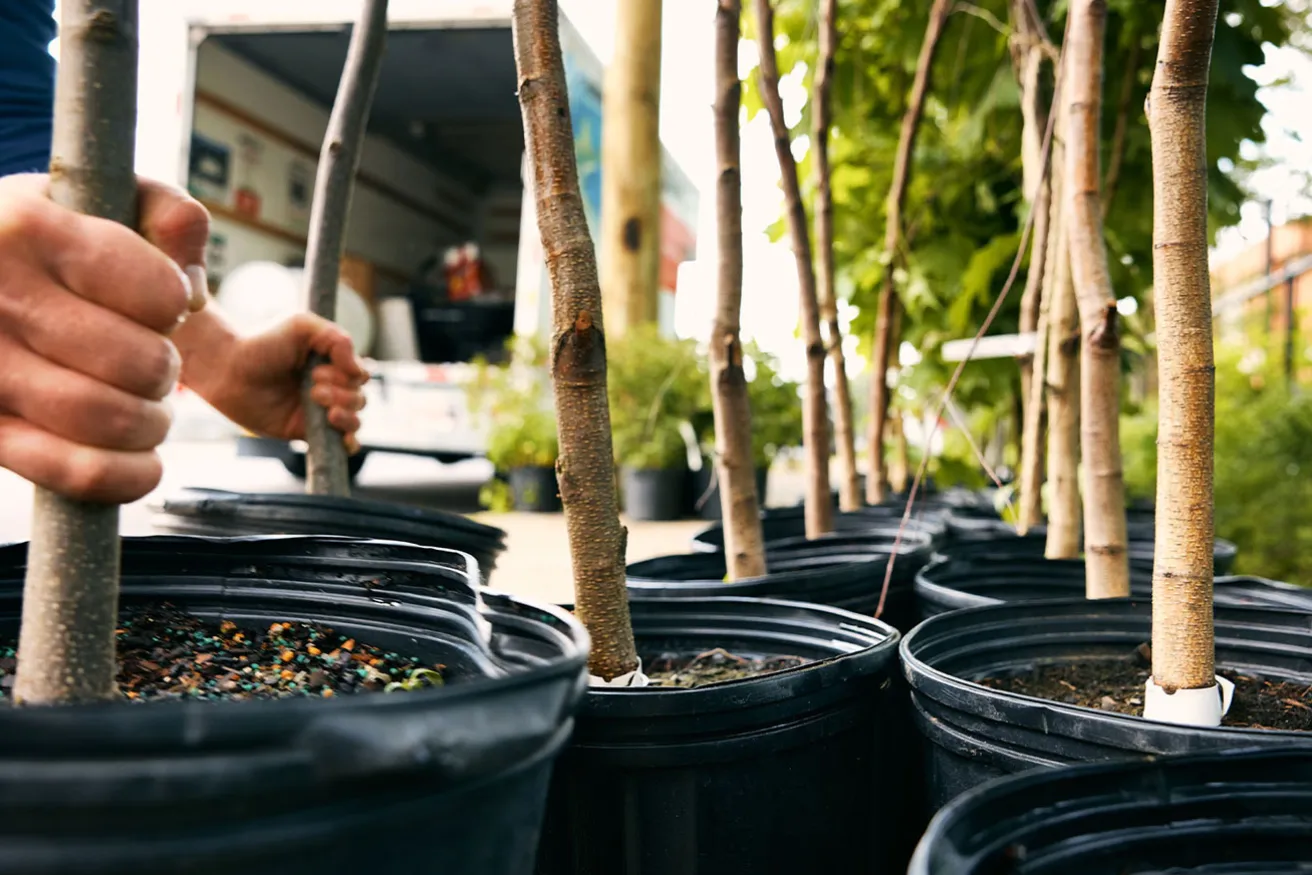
[{"x": 296, "y": 465}]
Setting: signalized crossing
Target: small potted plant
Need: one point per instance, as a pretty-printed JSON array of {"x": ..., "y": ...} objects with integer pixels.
[
  {"x": 513, "y": 400},
  {"x": 656, "y": 389}
]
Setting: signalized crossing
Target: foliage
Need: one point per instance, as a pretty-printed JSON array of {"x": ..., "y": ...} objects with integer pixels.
[
  {"x": 776, "y": 406},
  {"x": 1263, "y": 456},
  {"x": 514, "y": 401},
  {"x": 657, "y": 388},
  {"x": 964, "y": 208}
]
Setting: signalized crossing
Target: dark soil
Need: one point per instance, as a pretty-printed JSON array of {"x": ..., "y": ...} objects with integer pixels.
[
  {"x": 712, "y": 667},
  {"x": 165, "y": 653},
  {"x": 1118, "y": 685}
]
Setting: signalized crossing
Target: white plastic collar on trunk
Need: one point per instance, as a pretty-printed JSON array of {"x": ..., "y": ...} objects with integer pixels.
[{"x": 1201, "y": 707}]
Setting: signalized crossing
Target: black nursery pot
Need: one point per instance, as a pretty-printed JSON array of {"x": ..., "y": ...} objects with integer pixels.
[
  {"x": 976, "y": 733},
  {"x": 654, "y": 494},
  {"x": 704, "y": 494},
  {"x": 446, "y": 780},
  {"x": 949, "y": 584},
  {"x": 1001, "y": 540},
  {"x": 534, "y": 489},
  {"x": 1238, "y": 811},
  {"x": 843, "y": 572},
  {"x": 790, "y": 772},
  {"x": 220, "y": 513},
  {"x": 787, "y": 524}
]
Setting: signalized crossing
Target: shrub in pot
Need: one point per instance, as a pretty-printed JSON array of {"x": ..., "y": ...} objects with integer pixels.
[
  {"x": 335, "y": 774},
  {"x": 1236, "y": 811},
  {"x": 988, "y": 692}
]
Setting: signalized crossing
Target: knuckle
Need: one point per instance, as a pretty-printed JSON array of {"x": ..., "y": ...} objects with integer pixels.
[
  {"x": 162, "y": 363},
  {"x": 24, "y": 218}
]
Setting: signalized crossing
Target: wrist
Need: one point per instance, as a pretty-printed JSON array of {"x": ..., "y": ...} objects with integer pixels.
[{"x": 206, "y": 343}]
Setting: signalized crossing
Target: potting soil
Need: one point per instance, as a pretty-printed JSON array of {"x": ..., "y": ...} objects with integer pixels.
[
  {"x": 1118, "y": 685},
  {"x": 166, "y": 653},
  {"x": 712, "y": 667}
]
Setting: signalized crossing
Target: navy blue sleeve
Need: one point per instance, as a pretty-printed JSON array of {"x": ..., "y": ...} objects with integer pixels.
[{"x": 27, "y": 84}]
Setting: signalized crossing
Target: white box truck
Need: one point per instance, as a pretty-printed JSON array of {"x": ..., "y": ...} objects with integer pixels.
[{"x": 234, "y": 101}]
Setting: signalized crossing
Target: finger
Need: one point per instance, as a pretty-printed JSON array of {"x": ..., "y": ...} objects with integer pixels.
[
  {"x": 352, "y": 444},
  {"x": 334, "y": 344},
  {"x": 77, "y": 408},
  {"x": 179, "y": 225},
  {"x": 73, "y": 470},
  {"x": 344, "y": 421},
  {"x": 331, "y": 375},
  {"x": 336, "y": 397},
  {"x": 63, "y": 328},
  {"x": 106, "y": 263}
]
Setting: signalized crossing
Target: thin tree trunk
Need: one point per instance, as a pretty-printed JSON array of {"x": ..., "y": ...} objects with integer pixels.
[
  {"x": 339, "y": 159},
  {"x": 1030, "y": 509},
  {"x": 849, "y": 486},
  {"x": 1106, "y": 558},
  {"x": 938, "y": 16},
  {"x": 586, "y": 464},
  {"x": 1117, "y": 154},
  {"x": 631, "y": 169},
  {"x": 815, "y": 418},
  {"x": 1183, "y": 649},
  {"x": 66, "y": 652},
  {"x": 744, "y": 544}
]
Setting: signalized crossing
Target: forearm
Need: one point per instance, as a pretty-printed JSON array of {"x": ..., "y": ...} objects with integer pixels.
[{"x": 206, "y": 342}]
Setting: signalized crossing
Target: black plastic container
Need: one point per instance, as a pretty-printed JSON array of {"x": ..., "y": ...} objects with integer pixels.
[
  {"x": 949, "y": 584},
  {"x": 791, "y": 772},
  {"x": 976, "y": 733},
  {"x": 221, "y": 513},
  {"x": 655, "y": 494},
  {"x": 704, "y": 496},
  {"x": 447, "y": 780},
  {"x": 1003, "y": 541},
  {"x": 1234, "y": 812},
  {"x": 534, "y": 489},
  {"x": 848, "y": 576},
  {"x": 788, "y": 524}
]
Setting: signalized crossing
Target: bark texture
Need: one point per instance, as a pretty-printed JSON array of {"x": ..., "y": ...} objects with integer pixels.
[
  {"x": 1106, "y": 559},
  {"x": 744, "y": 544},
  {"x": 849, "y": 486},
  {"x": 815, "y": 416},
  {"x": 631, "y": 169},
  {"x": 334, "y": 180},
  {"x": 883, "y": 344},
  {"x": 66, "y": 652},
  {"x": 1063, "y": 392},
  {"x": 1183, "y": 643},
  {"x": 586, "y": 464}
]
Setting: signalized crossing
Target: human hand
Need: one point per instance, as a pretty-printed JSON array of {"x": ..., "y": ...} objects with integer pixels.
[
  {"x": 259, "y": 385},
  {"x": 86, "y": 309}
]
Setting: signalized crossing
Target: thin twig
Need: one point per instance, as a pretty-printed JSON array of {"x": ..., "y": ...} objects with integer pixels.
[
  {"x": 983, "y": 15},
  {"x": 961, "y": 366}
]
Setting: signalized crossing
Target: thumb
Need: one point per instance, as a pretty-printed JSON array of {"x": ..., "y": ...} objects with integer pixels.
[{"x": 178, "y": 225}]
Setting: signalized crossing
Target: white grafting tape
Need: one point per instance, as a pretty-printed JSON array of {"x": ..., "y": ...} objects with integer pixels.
[
  {"x": 633, "y": 678},
  {"x": 1201, "y": 707}
]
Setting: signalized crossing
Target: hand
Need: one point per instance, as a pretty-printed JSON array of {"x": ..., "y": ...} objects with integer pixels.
[
  {"x": 260, "y": 387},
  {"x": 86, "y": 310}
]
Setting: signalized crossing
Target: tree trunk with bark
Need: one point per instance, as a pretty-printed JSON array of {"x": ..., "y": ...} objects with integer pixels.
[
  {"x": 66, "y": 648},
  {"x": 815, "y": 416},
  {"x": 849, "y": 485},
  {"x": 883, "y": 343},
  {"x": 1106, "y": 557},
  {"x": 1183, "y": 645},
  {"x": 744, "y": 544},
  {"x": 586, "y": 464},
  {"x": 631, "y": 169},
  {"x": 339, "y": 159}
]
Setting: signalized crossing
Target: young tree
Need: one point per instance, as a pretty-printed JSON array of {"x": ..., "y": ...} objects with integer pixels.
[
  {"x": 1106, "y": 555},
  {"x": 631, "y": 169},
  {"x": 815, "y": 416},
  {"x": 849, "y": 485},
  {"x": 339, "y": 158},
  {"x": 66, "y": 651},
  {"x": 884, "y": 336},
  {"x": 1183, "y": 650},
  {"x": 586, "y": 463},
  {"x": 1063, "y": 389},
  {"x": 744, "y": 544}
]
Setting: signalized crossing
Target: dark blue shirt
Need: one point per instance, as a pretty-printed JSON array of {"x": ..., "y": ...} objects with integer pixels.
[{"x": 27, "y": 84}]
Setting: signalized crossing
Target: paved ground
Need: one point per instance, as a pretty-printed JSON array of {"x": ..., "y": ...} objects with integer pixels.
[{"x": 536, "y": 562}]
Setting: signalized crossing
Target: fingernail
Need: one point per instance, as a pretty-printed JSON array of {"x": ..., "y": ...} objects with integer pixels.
[{"x": 198, "y": 279}]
